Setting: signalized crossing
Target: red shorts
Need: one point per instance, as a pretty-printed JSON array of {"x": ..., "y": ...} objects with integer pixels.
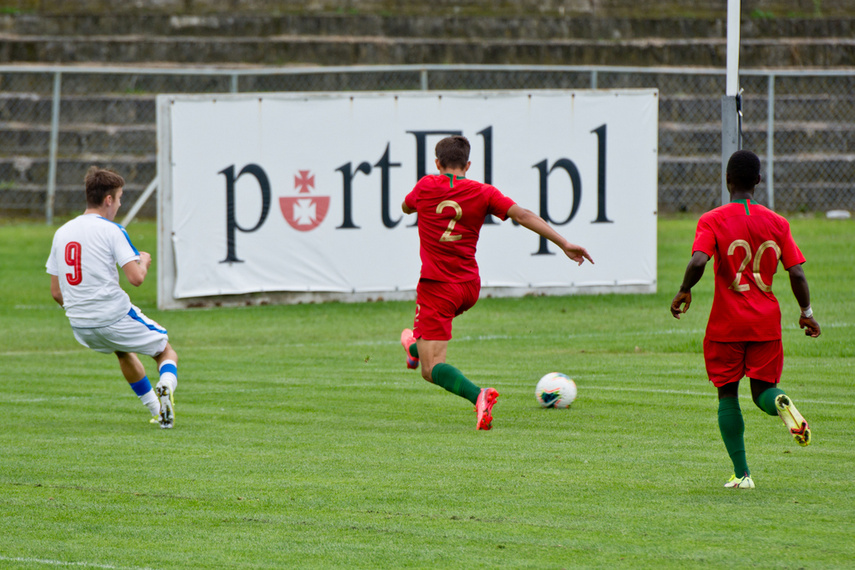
[
  {"x": 437, "y": 303},
  {"x": 730, "y": 361}
]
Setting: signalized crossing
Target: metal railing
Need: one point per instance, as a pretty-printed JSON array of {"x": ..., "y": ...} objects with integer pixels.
[{"x": 56, "y": 120}]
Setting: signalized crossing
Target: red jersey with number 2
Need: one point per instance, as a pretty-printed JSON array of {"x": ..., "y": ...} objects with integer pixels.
[
  {"x": 451, "y": 213},
  {"x": 747, "y": 240}
]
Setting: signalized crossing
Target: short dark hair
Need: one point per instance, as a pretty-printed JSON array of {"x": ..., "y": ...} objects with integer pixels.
[
  {"x": 744, "y": 169},
  {"x": 100, "y": 183},
  {"x": 453, "y": 152}
]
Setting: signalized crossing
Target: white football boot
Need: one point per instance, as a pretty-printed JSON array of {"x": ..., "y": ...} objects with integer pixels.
[
  {"x": 735, "y": 482},
  {"x": 167, "y": 407},
  {"x": 791, "y": 417}
]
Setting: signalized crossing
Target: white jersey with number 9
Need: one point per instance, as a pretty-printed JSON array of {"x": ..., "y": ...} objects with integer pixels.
[{"x": 84, "y": 256}]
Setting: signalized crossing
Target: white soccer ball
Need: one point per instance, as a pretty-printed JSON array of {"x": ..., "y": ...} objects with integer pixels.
[{"x": 555, "y": 390}]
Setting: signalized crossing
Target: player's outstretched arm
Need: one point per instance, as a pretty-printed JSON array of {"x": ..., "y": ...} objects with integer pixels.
[
  {"x": 694, "y": 271},
  {"x": 136, "y": 271},
  {"x": 801, "y": 291},
  {"x": 538, "y": 225}
]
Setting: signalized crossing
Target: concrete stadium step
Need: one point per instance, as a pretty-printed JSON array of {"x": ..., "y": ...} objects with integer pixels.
[
  {"x": 23, "y": 180},
  {"x": 139, "y": 109},
  {"x": 550, "y": 8},
  {"x": 366, "y": 50},
  {"x": 802, "y": 108},
  {"x": 127, "y": 121},
  {"x": 796, "y": 170},
  {"x": 69, "y": 201},
  {"x": 402, "y": 26},
  {"x": 674, "y": 138},
  {"x": 21, "y": 139},
  {"x": 136, "y": 169},
  {"x": 790, "y": 137},
  {"x": 788, "y": 197},
  {"x": 170, "y": 78},
  {"x": 35, "y": 109}
]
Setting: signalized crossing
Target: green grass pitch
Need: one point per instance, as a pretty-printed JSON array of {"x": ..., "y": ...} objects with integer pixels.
[{"x": 302, "y": 440}]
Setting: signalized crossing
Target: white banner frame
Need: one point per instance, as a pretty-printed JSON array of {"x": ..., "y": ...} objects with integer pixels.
[{"x": 614, "y": 214}]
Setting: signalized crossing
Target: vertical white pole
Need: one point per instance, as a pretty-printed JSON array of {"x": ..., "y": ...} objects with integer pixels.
[
  {"x": 733, "y": 12},
  {"x": 165, "y": 253},
  {"x": 54, "y": 146},
  {"x": 730, "y": 135},
  {"x": 770, "y": 144}
]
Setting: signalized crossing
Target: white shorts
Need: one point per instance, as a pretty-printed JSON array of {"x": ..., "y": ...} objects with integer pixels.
[{"x": 132, "y": 333}]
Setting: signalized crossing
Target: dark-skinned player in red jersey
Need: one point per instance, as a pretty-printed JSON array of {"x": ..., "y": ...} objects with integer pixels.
[
  {"x": 743, "y": 335},
  {"x": 451, "y": 210}
]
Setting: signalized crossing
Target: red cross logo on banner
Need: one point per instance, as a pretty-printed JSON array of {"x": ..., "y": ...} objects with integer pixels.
[
  {"x": 304, "y": 212},
  {"x": 304, "y": 181}
]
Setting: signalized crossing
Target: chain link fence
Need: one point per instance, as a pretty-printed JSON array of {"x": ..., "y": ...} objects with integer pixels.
[{"x": 57, "y": 121}]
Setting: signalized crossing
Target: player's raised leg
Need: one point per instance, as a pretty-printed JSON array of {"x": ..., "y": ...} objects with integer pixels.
[
  {"x": 484, "y": 408},
  {"x": 437, "y": 371},
  {"x": 791, "y": 417},
  {"x": 167, "y": 366},
  {"x": 411, "y": 349},
  {"x": 775, "y": 402}
]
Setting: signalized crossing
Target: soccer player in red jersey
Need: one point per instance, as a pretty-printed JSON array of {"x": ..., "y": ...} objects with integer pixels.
[
  {"x": 743, "y": 335},
  {"x": 451, "y": 210}
]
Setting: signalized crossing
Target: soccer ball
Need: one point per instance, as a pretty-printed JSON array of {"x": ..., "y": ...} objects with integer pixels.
[{"x": 555, "y": 390}]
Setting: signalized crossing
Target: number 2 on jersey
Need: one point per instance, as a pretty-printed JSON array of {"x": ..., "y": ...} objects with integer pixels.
[
  {"x": 758, "y": 279},
  {"x": 72, "y": 258},
  {"x": 458, "y": 213}
]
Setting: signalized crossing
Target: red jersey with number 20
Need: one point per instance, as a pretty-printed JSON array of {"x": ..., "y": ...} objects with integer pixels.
[
  {"x": 451, "y": 212},
  {"x": 747, "y": 240}
]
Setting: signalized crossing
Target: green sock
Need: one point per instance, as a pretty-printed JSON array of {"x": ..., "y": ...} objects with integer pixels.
[
  {"x": 766, "y": 400},
  {"x": 732, "y": 428},
  {"x": 414, "y": 350},
  {"x": 454, "y": 381}
]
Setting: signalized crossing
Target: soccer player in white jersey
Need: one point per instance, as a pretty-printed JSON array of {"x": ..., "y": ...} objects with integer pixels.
[{"x": 85, "y": 282}]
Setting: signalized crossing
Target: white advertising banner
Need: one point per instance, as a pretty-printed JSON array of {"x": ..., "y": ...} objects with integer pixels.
[{"x": 303, "y": 192}]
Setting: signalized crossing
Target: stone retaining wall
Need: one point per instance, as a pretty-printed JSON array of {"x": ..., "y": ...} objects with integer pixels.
[
  {"x": 597, "y": 8},
  {"x": 433, "y": 26}
]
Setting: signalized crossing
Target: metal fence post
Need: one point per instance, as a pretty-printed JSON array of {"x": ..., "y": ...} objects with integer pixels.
[
  {"x": 770, "y": 143},
  {"x": 424, "y": 79},
  {"x": 54, "y": 146}
]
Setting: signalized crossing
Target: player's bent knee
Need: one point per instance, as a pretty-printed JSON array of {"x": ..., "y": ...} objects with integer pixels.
[{"x": 168, "y": 353}]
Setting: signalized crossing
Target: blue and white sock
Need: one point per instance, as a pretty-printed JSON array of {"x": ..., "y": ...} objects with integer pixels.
[
  {"x": 168, "y": 374},
  {"x": 142, "y": 388}
]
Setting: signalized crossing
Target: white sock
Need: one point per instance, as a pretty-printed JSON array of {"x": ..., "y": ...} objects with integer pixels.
[
  {"x": 168, "y": 375},
  {"x": 152, "y": 402}
]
